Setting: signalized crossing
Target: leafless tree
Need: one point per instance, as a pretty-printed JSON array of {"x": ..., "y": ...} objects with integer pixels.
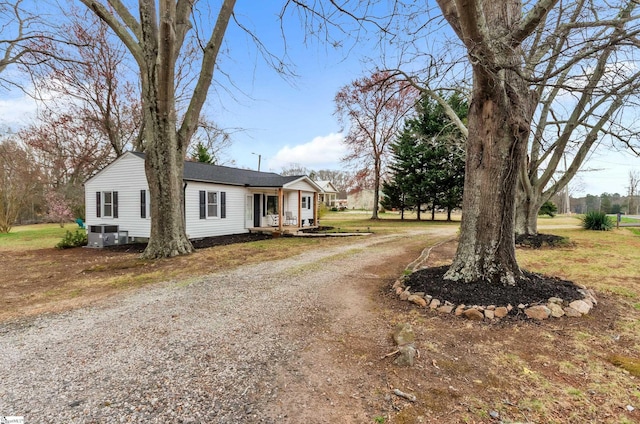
[
  {"x": 87, "y": 83},
  {"x": 632, "y": 193},
  {"x": 156, "y": 41},
  {"x": 214, "y": 139},
  {"x": 373, "y": 109},
  {"x": 19, "y": 180},
  {"x": 17, "y": 34},
  {"x": 561, "y": 76},
  {"x": 499, "y": 123},
  {"x": 581, "y": 67}
]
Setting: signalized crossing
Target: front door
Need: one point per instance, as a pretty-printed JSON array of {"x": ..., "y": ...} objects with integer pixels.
[
  {"x": 248, "y": 211},
  {"x": 256, "y": 209}
]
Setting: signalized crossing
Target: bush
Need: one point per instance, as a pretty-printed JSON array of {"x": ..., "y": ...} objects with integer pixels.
[
  {"x": 548, "y": 208},
  {"x": 598, "y": 221},
  {"x": 322, "y": 210},
  {"x": 77, "y": 239}
]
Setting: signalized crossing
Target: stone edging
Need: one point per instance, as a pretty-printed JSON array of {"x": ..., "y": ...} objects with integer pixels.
[{"x": 553, "y": 308}]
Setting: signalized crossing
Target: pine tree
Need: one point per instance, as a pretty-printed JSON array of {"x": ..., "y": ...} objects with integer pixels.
[{"x": 428, "y": 157}]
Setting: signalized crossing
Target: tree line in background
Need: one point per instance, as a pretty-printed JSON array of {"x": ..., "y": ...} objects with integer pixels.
[{"x": 550, "y": 82}]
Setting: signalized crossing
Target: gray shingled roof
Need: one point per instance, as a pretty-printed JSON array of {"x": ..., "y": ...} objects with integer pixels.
[{"x": 204, "y": 172}]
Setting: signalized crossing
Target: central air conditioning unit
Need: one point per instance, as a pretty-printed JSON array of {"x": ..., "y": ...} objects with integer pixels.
[{"x": 105, "y": 235}]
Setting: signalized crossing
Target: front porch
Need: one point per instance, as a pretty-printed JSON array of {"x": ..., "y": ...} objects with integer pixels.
[{"x": 288, "y": 230}]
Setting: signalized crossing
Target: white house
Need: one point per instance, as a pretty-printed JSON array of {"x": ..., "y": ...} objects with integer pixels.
[
  {"x": 218, "y": 200},
  {"x": 328, "y": 194}
]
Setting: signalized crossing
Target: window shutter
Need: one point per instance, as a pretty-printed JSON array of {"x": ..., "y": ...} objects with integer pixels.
[
  {"x": 223, "y": 204},
  {"x": 98, "y": 205},
  {"x": 203, "y": 204},
  {"x": 143, "y": 203},
  {"x": 115, "y": 204},
  {"x": 309, "y": 202}
]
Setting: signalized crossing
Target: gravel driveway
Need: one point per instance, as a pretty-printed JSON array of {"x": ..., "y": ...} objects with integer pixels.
[{"x": 208, "y": 350}]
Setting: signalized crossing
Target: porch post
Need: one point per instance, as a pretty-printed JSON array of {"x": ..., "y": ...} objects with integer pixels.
[
  {"x": 280, "y": 206},
  {"x": 299, "y": 207},
  {"x": 315, "y": 209}
]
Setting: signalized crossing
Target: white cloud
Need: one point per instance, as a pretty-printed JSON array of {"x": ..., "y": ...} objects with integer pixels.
[
  {"x": 18, "y": 111},
  {"x": 322, "y": 152}
]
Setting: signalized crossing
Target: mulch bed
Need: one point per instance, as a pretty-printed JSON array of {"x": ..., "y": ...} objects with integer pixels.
[
  {"x": 539, "y": 240},
  {"x": 202, "y": 243},
  {"x": 534, "y": 289}
]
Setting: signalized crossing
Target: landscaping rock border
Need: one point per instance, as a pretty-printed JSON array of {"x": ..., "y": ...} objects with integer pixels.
[{"x": 553, "y": 308}]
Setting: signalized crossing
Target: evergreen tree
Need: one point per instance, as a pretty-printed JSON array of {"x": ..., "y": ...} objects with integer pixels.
[
  {"x": 394, "y": 198},
  {"x": 428, "y": 157},
  {"x": 203, "y": 155}
]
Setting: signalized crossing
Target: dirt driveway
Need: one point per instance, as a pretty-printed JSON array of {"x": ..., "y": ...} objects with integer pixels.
[
  {"x": 293, "y": 340},
  {"x": 302, "y": 338}
]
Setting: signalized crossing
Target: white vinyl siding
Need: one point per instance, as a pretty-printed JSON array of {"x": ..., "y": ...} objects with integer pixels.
[
  {"x": 230, "y": 209},
  {"x": 126, "y": 177},
  {"x": 308, "y": 206}
]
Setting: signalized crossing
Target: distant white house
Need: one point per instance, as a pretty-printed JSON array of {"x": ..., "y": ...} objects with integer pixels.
[
  {"x": 361, "y": 199},
  {"x": 218, "y": 200},
  {"x": 329, "y": 193}
]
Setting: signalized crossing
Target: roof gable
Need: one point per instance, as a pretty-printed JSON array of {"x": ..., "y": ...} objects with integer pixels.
[{"x": 327, "y": 186}]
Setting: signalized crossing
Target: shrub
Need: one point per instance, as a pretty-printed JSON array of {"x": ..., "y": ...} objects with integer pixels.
[
  {"x": 548, "y": 208},
  {"x": 77, "y": 239},
  {"x": 598, "y": 221},
  {"x": 322, "y": 210}
]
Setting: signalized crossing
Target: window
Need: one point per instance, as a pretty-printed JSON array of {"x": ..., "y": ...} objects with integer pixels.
[
  {"x": 306, "y": 202},
  {"x": 107, "y": 204},
  {"x": 209, "y": 203},
  {"x": 212, "y": 204},
  {"x": 272, "y": 205},
  {"x": 145, "y": 204}
]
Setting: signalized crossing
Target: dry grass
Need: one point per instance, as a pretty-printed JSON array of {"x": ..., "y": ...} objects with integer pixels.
[{"x": 582, "y": 370}]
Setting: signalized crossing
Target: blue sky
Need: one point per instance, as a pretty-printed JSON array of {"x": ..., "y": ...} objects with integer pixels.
[{"x": 290, "y": 120}]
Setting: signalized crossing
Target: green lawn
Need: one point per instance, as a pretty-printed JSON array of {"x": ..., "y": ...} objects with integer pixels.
[{"x": 38, "y": 236}]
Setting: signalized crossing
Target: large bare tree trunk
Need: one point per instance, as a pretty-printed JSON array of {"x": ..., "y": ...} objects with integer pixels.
[
  {"x": 526, "y": 220},
  {"x": 164, "y": 163},
  {"x": 155, "y": 43},
  {"x": 495, "y": 147},
  {"x": 376, "y": 187},
  {"x": 499, "y": 125}
]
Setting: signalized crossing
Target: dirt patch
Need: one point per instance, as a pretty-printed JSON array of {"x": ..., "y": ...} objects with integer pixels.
[{"x": 53, "y": 280}]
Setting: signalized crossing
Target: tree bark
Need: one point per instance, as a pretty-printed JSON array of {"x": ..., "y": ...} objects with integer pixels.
[
  {"x": 164, "y": 164},
  {"x": 376, "y": 185},
  {"x": 526, "y": 219},
  {"x": 499, "y": 126}
]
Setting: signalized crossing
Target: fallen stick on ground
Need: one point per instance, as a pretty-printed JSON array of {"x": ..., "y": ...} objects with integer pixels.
[{"x": 402, "y": 394}]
